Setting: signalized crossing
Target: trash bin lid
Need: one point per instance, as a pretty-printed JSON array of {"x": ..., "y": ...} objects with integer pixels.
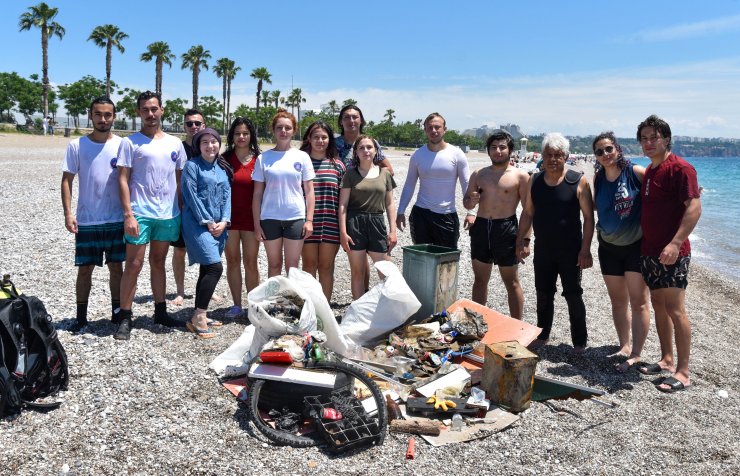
[{"x": 431, "y": 250}]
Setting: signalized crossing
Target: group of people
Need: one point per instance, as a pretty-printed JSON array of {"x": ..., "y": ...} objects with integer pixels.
[{"x": 303, "y": 204}]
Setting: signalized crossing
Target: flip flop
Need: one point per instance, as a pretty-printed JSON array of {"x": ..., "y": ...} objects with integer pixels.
[
  {"x": 624, "y": 367},
  {"x": 200, "y": 333},
  {"x": 214, "y": 323},
  {"x": 674, "y": 385},
  {"x": 650, "y": 369}
]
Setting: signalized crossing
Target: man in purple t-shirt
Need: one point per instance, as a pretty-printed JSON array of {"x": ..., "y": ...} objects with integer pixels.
[{"x": 670, "y": 210}]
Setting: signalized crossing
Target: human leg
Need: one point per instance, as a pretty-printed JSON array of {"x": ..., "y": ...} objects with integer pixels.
[
  {"x": 570, "y": 278},
  {"x": 274, "y": 252},
  {"x": 178, "y": 270},
  {"x": 674, "y": 299},
  {"x": 234, "y": 266},
  {"x": 157, "y": 257},
  {"x": 545, "y": 279},
  {"x": 514, "y": 292},
  {"x": 327, "y": 256},
  {"x": 292, "y": 250},
  {"x": 134, "y": 262},
  {"x": 358, "y": 270},
  {"x": 616, "y": 287},
  {"x": 481, "y": 278},
  {"x": 83, "y": 285},
  {"x": 250, "y": 251},
  {"x": 208, "y": 277},
  {"x": 664, "y": 327},
  {"x": 310, "y": 258},
  {"x": 639, "y": 296}
]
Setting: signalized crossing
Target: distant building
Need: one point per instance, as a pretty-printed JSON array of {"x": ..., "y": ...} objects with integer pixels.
[{"x": 484, "y": 131}]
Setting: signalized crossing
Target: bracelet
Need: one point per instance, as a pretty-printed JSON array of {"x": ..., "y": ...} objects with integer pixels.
[{"x": 471, "y": 214}]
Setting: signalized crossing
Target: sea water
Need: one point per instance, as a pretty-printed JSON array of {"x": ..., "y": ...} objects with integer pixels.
[{"x": 715, "y": 242}]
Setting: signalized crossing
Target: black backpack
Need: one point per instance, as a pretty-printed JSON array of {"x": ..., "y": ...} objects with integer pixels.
[{"x": 33, "y": 363}]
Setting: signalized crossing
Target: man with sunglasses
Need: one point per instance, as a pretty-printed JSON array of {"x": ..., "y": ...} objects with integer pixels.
[
  {"x": 497, "y": 190},
  {"x": 194, "y": 123},
  {"x": 670, "y": 210},
  {"x": 556, "y": 199},
  {"x": 437, "y": 166}
]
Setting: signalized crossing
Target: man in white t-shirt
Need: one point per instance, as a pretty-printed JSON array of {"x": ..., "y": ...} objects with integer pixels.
[
  {"x": 98, "y": 220},
  {"x": 150, "y": 163},
  {"x": 437, "y": 166}
]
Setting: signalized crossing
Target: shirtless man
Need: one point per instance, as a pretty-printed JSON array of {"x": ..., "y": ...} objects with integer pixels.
[{"x": 497, "y": 190}]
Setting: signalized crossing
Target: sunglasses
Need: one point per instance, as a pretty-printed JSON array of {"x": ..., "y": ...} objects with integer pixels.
[
  {"x": 606, "y": 150},
  {"x": 193, "y": 123}
]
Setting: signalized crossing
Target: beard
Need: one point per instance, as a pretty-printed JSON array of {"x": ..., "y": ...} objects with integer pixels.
[{"x": 103, "y": 127}]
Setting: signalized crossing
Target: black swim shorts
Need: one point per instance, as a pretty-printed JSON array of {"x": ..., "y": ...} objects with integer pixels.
[
  {"x": 494, "y": 240},
  {"x": 661, "y": 276}
]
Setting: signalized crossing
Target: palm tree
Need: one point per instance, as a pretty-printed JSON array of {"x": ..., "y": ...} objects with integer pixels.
[
  {"x": 226, "y": 69},
  {"x": 108, "y": 36},
  {"x": 389, "y": 115},
  {"x": 261, "y": 75},
  {"x": 275, "y": 97},
  {"x": 232, "y": 74},
  {"x": 349, "y": 102},
  {"x": 333, "y": 107},
  {"x": 296, "y": 98},
  {"x": 161, "y": 53},
  {"x": 197, "y": 57},
  {"x": 222, "y": 71},
  {"x": 265, "y": 97},
  {"x": 42, "y": 17}
]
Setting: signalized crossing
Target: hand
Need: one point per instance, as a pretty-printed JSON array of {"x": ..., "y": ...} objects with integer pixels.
[
  {"x": 474, "y": 198},
  {"x": 70, "y": 222},
  {"x": 258, "y": 233},
  {"x": 522, "y": 251},
  {"x": 307, "y": 229},
  {"x": 131, "y": 226},
  {"x": 217, "y": 229},
  {"x": 669, "y": 255},
  {"x": 392, "y": 240},
  {"x": 401, "y": 221},
  {"x": 585, "y": 260},
  {"x": 345, "y": 241},
  {"x": 469, "y": 221}
]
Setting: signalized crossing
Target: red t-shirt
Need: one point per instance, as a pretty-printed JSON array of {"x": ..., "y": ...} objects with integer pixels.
[
  {"x": 242, "y": 190},
  {"x": 664, "y": 190}
]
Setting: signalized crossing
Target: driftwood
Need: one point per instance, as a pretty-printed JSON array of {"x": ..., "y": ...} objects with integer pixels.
[{"x": 415, "y": 427}]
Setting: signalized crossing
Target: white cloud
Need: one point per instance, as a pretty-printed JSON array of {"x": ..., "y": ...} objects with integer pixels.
[{"x": 685, "y": 30}]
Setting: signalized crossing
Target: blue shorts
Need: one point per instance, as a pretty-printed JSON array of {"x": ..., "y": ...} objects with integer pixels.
[
  {"x": 92, "y": 242},
  {"x": 152, "y": 229}
]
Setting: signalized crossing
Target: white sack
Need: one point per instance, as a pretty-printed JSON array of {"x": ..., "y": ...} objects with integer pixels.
[{"x": 233, "y": 361}]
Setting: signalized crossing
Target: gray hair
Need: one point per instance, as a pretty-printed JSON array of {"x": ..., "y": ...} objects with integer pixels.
[{"x": 556, "y": 141}]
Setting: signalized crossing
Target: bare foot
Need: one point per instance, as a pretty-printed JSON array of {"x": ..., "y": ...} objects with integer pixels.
[
  {"x": 674, "y": 383},
  {"x": 178, "y": 301},
  {"x": 627, "y": 364},
  {"x": 624, "y": 352},
  {"x": 216, "y": 298}
]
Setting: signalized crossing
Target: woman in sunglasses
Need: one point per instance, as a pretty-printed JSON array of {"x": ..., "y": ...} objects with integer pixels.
[{"x": 618, "y": 204}]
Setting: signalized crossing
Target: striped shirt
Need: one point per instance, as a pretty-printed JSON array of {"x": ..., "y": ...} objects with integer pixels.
[{"x": 326, "y": 190}]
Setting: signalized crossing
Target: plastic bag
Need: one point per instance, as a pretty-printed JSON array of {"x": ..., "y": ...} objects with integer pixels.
[
  {"x": 386, "y": 306},
  {"x": 233, "y": 361},
  {"x": 327, "y": 323}
]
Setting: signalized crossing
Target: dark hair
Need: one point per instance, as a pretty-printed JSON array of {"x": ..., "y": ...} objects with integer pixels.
[
  {"x": 282, "y": 114},
  {"x": 345, "y": 109},
  {"x": 254, "y": 147},
  {"x": 659, "y": 125},
  {"x": 432, "y": 116},
  {"x": 500, "y": 134},
  {"x": 621, "y": 161},
  {"x": 193, "y": 112},
  {"x": 355, "y": 159},
  {"x": 102, "y": 100},
  {"x": 331, "y": 149},
  {"x": 147, "y": 95}
]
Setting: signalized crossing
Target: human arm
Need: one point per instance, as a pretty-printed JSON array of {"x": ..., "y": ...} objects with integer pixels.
[
  {"x": 310, "y": 205},
  {"x": 639, "y": 171},
  {"x": 190, "y": 197},
  {"x": 390, "y": 210},
  {"x": 383, "y": 161},
  {"x": 130, "y": 225},
  {"x": 586, "y": 202},
  {"x": 408, "y": 191},
  {"x": 691, "y": 215},
  {"x": 344, "y": 239},
  {"x": 525, "y": 224},
  {"x": 216, "y": 229},
  {"x": 259, "y": 190},
  {"x": 70, "y": 221}
]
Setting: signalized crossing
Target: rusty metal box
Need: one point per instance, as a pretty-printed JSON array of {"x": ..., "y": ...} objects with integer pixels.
[{"x": 508, "y": 374}]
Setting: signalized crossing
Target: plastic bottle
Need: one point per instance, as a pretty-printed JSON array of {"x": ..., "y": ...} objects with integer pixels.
[{"x": 457, "y": 422}]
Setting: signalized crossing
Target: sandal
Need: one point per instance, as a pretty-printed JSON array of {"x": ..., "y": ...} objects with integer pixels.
[
  {"x": 214, "y": 323},
  {"x": 650, "y": 369},
  {"x": 673, "y": 385},
  {"x": 200, "y": 333}
]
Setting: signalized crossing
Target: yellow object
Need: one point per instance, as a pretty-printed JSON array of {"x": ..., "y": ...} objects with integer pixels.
[
  {"x": 442, "y": 403},
  {"x": 431, "y": 399}
]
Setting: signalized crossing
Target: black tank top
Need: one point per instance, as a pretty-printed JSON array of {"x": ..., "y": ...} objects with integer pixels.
[{"x": 557, "y": 215}]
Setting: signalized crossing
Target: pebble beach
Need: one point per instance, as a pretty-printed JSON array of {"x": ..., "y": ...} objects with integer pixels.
[{"x": 151, "y": 405}]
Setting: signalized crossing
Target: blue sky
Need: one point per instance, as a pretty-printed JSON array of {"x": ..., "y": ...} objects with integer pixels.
[{"x": 577, "y": 67}]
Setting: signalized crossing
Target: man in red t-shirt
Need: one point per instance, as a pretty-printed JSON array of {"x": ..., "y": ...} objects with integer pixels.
[{"x": 670, "y": 211}]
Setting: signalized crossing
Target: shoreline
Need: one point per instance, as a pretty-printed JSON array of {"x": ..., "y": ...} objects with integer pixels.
[{"x": 151, "y": 406}]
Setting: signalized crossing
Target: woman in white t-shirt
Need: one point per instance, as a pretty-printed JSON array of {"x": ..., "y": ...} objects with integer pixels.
[{"x": 283, "y": 214}]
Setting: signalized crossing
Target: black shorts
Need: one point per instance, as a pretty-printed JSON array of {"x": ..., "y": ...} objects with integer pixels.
[
  {"x": 368, "y": 231},
  {"x": 288, "y": 229},
  {"x": 93, "y": 242},
  {"x": 180, "y": 243},
  {"x": 494, "y": 240},
  {"x": 616, "y": 260},
  {"x": 440, "y": 229},
  {"x": 661, "y": 276}
]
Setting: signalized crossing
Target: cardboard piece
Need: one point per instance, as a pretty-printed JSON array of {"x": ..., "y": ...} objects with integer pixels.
[
  {"x": 501, "y": 328},
  {"x": 501, "y": 419},
  {"x": 237, "y": 388},
  {"x": 453, "y": 378},
  {"x": 283, "y": 373}
]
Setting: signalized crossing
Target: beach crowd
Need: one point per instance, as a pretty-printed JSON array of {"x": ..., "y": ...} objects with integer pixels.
[{"x": 152, "y": 190}]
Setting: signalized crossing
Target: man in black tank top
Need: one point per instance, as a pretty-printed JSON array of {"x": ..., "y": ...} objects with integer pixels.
[{"x": 554, "y": 204}]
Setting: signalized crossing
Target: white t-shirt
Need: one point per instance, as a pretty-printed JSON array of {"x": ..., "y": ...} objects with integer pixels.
[
  {"x": 95, "y": 163},
  {"x": 437, "y": 173},
  {"x": 283, "y": 173},
  {"x": 152, "y": 183}
]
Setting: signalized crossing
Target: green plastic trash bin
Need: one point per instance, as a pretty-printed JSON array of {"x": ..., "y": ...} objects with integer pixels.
[{"x": 431, "y": 273}]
